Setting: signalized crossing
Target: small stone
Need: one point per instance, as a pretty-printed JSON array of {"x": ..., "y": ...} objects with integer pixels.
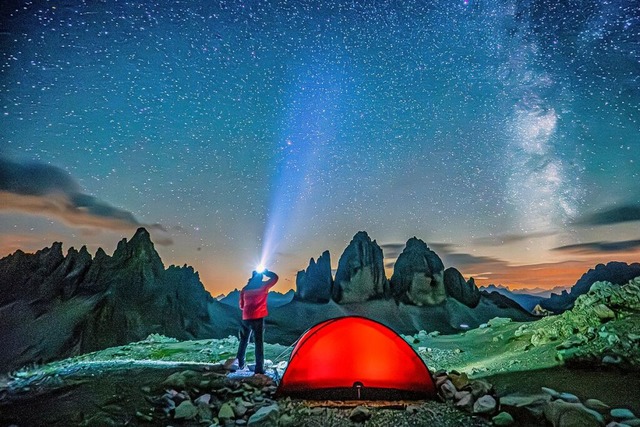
[
  {"x": 185, "y": 411},
  {"x": 441, "y": 380},
  {"x": 551, "y": 392},
  {"x": 568, "y": 397},
  {"x": 597, "y": 405},
  {"x": 145, "y": 389},
  {"x": 622, "y": 414},
  {"x": 239, "y": 409},
  {"x": 616, "y": 424},
  {"x": 460, "y": 394},
  {"x": 182, "y": 380},
  {"x": 485, "y": 405},
  {"x": 286, "y": 420},
  {"x": 634, "y": 422},
  {"x": 144, "y": 417},
  {"x": 611, "y": 360},
  {"x": 448, "y": 390},
  {"x": 480, "y": 388},
  {"x": 226, "y": 412},
  {"x": 466, "y": 403},
  {"x": 603, "y": 312},
  {"x": 241, "y": 422},
  {"x": 564, "y": 414},
  {"x": 413, "y": 409},
  {"x": 459, "y": 381},
  {"x": 267, "y": 416},
  {"x": 203, "y": 400},
  {"x": 503, "y": 419},
  {"x": 360, "y": 414}
]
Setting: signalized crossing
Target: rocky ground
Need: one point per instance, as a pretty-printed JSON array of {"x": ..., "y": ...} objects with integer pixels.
[{"x": 578, "y": 368}]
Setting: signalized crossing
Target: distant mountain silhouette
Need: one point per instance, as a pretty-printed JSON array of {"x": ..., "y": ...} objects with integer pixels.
[
  {"x": 55, "y": 306},
  {"x": 274, "y": 299},
  {"x": 615, "y": 272}
]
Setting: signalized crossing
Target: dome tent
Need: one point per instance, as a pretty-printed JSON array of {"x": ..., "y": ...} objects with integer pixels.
[{"x": 355, "y": 358}]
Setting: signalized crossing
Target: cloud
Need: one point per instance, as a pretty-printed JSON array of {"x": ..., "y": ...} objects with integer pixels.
[
  {"x": 46, "y": 190},
  {"x": 600, "y": 247},
  {"x": 613, "y": 215},
  {"x": 392, "y": 250},
  {"x": 505, "y": 239}
]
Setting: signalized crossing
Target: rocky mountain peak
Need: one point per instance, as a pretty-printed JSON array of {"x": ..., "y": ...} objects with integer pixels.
[
  {"x": 314, "y": 283},
  {"x": 140, "y": 248},
  {"x": 418, "y": 275},
  {"x": 464, "y": 291},
  {"x": 360, "y": 275}
]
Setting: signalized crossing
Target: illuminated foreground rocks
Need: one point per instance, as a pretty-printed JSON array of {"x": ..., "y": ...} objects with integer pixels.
[{"x": 602, "y": 329}]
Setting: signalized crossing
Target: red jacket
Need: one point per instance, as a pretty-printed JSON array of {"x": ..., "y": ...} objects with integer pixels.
[{"x": 253, "y": 297}]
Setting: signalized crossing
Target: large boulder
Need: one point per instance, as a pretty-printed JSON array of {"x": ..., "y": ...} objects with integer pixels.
[
  {"x": 314, "y": 283},
  {"x": 418, "y": 275},
  {"x": 464, "y": 291},
  {"x": 360, "y": 275}
]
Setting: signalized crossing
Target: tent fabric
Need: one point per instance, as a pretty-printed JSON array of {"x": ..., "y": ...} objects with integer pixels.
[{"x": 354, "y": 357}]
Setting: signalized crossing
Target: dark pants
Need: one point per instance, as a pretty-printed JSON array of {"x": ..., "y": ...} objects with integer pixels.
[{"x": 257, "y": 327}]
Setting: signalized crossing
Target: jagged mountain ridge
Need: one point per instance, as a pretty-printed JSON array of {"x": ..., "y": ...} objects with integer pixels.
[
  {"x": 614, "y": 272},
  {"x": 56, "y": 306}
]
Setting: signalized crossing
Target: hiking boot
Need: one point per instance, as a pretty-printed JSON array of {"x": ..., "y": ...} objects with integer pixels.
[{"x": 234, "y": 365}]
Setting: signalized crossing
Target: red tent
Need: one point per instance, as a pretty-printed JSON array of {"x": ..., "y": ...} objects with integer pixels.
[{"x": 355, "y": 358}]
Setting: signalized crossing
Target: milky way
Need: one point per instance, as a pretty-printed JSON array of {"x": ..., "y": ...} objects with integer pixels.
[{"x": 489, "y": 129}]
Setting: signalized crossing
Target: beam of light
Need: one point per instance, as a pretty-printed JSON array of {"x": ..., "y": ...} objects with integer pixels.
[{"x": 308, "y": 130}]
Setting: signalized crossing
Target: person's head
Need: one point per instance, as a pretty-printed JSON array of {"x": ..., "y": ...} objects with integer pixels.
[{"x": 256, "y": 275}]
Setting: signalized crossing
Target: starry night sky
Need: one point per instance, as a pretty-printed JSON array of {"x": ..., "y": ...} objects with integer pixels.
[{"x": 504, "y": 133}]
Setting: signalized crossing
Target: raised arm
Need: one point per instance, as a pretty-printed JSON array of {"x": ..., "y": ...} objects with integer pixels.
[{"x": 273, "y": 279}]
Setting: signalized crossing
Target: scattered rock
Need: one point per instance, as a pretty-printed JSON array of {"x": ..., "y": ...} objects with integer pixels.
[
  {"x": 503, "y": 419},
  {"x": 286, "y": 420},
  {"x": 465, "y": 403},
  {"x": 203, "y": 400},
  {"x": 448, "y": 390},
  {"x": 611, "y": 360},
  {"x": 226, "y": 412},
  {"x": 485, "y": 405},
  {"x": 459, "y": 381},
  {"x": 603, "y": 312},
  {"x": 143, "y": 417},
  {"x": 480, "y": 388},
  {"x": 597, "y": 405},
  {"x": 564, "y": 414},
  {"x": 186, "y": 411},
  {"x": 525, "y": 408},
  {"x": 551, "y": 392},
  {"x": 568, "y": 397},
  {"x": 182, "y": 380},
  {"x": 622, "y": 414},
  {"x": 360, "y": 414},
  {"x": 267, "y": 416}
]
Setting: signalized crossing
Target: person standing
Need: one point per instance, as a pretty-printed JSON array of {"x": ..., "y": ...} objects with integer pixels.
[{"x": 253, "y": 303}]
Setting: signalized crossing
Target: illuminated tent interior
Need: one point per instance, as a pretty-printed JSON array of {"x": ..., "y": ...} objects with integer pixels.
[{"x": 355, "y": 358}]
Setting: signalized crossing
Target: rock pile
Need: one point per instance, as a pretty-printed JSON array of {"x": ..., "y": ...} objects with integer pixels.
[
  {"x": 564, "y": 410},
  {"x": 472, "y": 396},
  {"x": 213, "y": 398},
  {"x": 591, "y": 332}
]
